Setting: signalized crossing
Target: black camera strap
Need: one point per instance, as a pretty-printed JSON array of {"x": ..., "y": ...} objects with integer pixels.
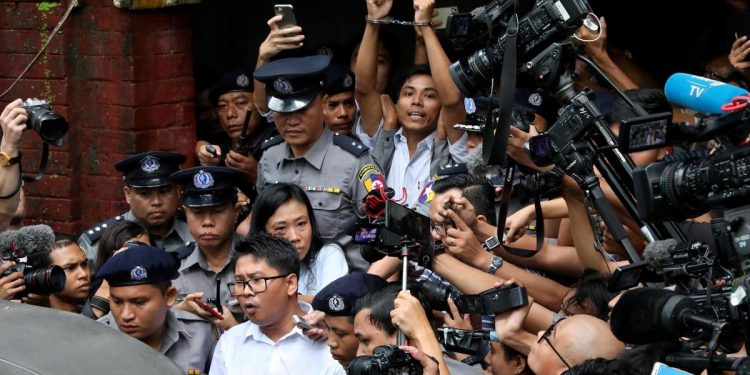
[
  {"x": 42, "y": 166},
  {"x": 498, "y": 135},
  {"x": 502, "y": 214}
]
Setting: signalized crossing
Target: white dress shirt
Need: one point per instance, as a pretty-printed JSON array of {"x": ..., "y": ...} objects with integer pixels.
[
  {"x": 329, "y": 265},
  {"x": 413, "y": 173},
  {"x": 245, "y": 350}
]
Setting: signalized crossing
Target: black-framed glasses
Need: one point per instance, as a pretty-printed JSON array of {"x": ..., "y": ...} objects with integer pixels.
[
  {"x": 545, "y": 337},
  {"x": 256, "y": 284}
]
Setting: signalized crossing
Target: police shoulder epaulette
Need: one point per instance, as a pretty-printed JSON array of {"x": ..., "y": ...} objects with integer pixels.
[
  {"x": 187, "y": 316},
  {"x": 270, "y": 142},
  {"x": 185, "y": 251},
  {"x": 349, "y": 144},
  {"x": 95, "y": 233}
]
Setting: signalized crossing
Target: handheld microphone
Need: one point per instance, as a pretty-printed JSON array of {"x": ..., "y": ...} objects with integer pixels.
[
  {"x": 700, "y": 93},
  {"x": 648, "y": 315},
  {"x": 26, "y": 241}
]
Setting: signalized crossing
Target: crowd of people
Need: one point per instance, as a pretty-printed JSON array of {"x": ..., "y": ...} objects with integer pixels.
[{"x": 247, "y": 263}]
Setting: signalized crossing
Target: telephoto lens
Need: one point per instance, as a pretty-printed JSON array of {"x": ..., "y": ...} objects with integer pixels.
[
  {"x": 45, "y": 281},
  {"x": 50, "y": 126}
]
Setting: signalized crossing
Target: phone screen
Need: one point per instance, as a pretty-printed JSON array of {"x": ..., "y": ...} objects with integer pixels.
[
  {"x": 407, "y": 222},
  {"x": 662, "y": 369}
]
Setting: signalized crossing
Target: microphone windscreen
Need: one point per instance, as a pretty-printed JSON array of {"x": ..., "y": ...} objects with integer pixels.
[
  {"x": 7, "y": 244},
  {"x": 658, "y": 254},
  {"x": 35, "y": 239},
  {"x": 700, "y": 93}
]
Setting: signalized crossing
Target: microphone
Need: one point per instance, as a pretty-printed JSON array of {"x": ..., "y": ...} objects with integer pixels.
[
  {"x": 15, "y": 244},
  {"x": 658, "y": 253},
  {"x": 475, "y": 163},
  {"x": 700, "y": 93},
  {"x": 648, "y": 315}
]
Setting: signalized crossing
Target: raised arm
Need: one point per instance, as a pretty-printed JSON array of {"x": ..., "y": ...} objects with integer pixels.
[
  {"x": 278, "y": 40},
  {"x": 453, "y": 110},
  {"x": 366, "y": 68}
]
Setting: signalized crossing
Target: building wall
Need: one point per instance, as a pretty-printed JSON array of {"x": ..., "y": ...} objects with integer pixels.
[{"x": 124, "y": 81}]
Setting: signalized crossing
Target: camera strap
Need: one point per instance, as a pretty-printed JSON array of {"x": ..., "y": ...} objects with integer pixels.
[
  {"x": 497, "y": 135},
  {"x": 502, "y": 214},
  {"x": 42, "y": 166}
]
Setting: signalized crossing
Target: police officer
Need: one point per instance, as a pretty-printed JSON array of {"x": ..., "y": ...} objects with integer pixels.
[
  {"x": 335, "y": 170},
  {"x": 141, "y": 296},
  {"x": 153, "y": 202},
  {"x": 337, "y": 301},
  {"x": 340, "y": 108},
  {"x": 209, "y": 196}
]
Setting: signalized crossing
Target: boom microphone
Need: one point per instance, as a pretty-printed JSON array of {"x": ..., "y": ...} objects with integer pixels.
[
  {"x": 700, "y": 93},
  {"x": 26, "y": 241},
  {"x": 648, "y": 315},
  {"x": 657, "y": 254}
]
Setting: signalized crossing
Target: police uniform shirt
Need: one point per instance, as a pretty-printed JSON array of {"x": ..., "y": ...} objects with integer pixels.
[
  {"x": 177, "y": 236},
  {"x": 197, "y": 276},
  {"x": 335, "y": 179},
  {"x": 189, "y": 340},
  {"x": 245, "y": 349}
]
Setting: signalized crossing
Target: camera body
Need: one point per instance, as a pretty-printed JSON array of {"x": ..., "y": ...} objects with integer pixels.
[
  {"x": 50, "y": 126},
  {"x": 386, "y": 359},
  {"x": 38, "y": 281},
  {"x": 489, "y": 302},
  {"x": 548, "y": 21}
]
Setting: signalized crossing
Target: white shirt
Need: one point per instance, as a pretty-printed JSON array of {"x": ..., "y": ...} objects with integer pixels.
[
  {"x": 414, "y": 173},
  {"x": 329, "y": 265},
  {"x": 245, "y": 350}
]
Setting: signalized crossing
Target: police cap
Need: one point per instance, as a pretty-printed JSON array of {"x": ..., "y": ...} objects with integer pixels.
[
  {"x": 140, "y": 265},
  {"x": 338, "y": 79},
  {"x": 150, "y": 169},
  {"x": 293, "y": 83},
  {"x": 239, "y": 81},
  {"x": 209, "y": 186},
  {"x": 338, "y": 297}
]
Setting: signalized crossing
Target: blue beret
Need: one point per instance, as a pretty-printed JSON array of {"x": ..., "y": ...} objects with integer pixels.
[
  {"x": 150, "y": 169},
  {"x": 208, "y": 185},
  {"x": 293, "y": 83},
  {"x": 338, "y": 297},
  {"x": 140, "y": 265},
  {"x": 239, "y": 81},
  {"x": 339, "y": 79}
]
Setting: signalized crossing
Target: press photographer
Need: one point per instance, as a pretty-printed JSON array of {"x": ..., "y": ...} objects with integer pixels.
[{"x": 13, "y": 122}]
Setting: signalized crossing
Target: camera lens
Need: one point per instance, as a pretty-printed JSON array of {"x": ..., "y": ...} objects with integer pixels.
[
  {"x": 469, "y": 74},
  {"x": 45, "y": 281},
  {"x": 51, "y": 127},
  {"x": 361, "y": 365}
]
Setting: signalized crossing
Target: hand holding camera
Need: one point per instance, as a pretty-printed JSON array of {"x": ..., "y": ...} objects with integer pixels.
[
  {"x": 12, "y": 283},
  {"x": 13, "y": 122}
]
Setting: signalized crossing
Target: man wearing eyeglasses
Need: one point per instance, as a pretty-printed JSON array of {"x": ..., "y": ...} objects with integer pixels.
[
  {"x": 564, "y": 344},
  {"x": 265, "y": 283}
]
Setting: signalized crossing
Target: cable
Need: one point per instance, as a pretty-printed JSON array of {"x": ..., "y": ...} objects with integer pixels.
[{"x": 72, "y": 5}]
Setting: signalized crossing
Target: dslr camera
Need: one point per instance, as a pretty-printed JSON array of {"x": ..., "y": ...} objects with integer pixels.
[
  {"x": 38, "y": 281},
  {"x": 30, "y": 242},
  {"x": 50, "y": 126},
  {"x": 386, "y": 359}
]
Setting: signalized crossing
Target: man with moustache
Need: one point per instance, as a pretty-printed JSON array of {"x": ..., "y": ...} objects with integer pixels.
[
  {"x": 340, "y": 109},
  {"x": 266, "y": 275},
  {"x": 141, "y": 292},
  {"x": 209, "y": 196},
  {"x": 335, "y": 170},
  {"x": 153, "y": 201}
]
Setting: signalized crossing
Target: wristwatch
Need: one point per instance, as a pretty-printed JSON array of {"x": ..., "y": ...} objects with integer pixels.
[
  {"x": 495, "y": 263},
  {"x": 491, "y": 243},
  {"x": 7, "y": 161}
]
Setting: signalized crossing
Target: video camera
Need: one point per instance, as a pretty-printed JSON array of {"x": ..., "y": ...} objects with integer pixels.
[
  {"x": 28, "y": 242},
  {"x": 546, "y": 22}
]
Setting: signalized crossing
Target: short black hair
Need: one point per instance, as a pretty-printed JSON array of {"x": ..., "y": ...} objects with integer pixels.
[
  {"x": 273, "y": 197},
  {"x": 477, "y": 190},
  {"x": 404, "y": 75},
  {"x": 115, "y": 237},
  {"x": 380, "y": 303},
  {"x": 593, "y": 288},
  {"x": 277, "y": 252},
  {"x": 652, "y": 100}
]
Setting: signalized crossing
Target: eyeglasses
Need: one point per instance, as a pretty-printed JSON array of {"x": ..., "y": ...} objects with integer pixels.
[
  {"x": 546, "y": 336},
  {"x": 256, "y": 284}
]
